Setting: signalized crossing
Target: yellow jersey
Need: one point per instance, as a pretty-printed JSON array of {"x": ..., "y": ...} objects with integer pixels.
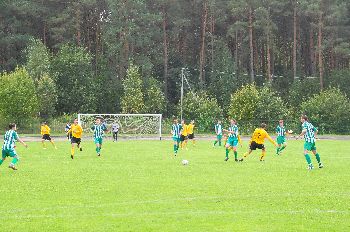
[
  {"x": 76, "y": 130},
  {"x": 260, "y": 135},
  {"x": 190, "y": 128},
  {"x": 184, "y": 131},
  {"x": 45, "y": 130}
]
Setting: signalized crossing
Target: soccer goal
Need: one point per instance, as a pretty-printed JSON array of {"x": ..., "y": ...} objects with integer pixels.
[{"x": 140, "y": 126}]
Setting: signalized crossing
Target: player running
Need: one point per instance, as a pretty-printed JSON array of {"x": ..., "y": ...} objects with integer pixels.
[
  {"x": 45, "y": 132},
  {"x": 99, "y": 128},
  {"x": 309, "y": 132},
  {"x": 175, "y": 132},
  {"x": 76, "y": 130},
  {"x": 218, "y": 132},
  {"x": 184, "y": 134},
  {"x": 8, "y": 148},
  {"x": 257, "y": 142},
  {"x": 190, "y": 129},
  {"x": 232, "y": 140},
  {"x": 281, "y": 137}
]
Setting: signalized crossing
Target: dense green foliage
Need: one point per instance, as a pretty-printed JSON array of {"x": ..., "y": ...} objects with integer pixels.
[
  {"x": 19, "y": 102},
  {"x": 201, "y": 108},
  {"x": 86, "y": 47},
  {"x": 143, "y": 187},
  {"x": 329, "y": 111}
]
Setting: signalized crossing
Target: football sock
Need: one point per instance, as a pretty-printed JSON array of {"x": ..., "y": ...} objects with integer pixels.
[
  {"x": 236, "y": 154},
  {"x": 215, "y": 142},
  {"x": 97, "y": 150},
  {"x": 175, "y": 148},
  {"x": 308, "y": 159},
  {"x": 219, "y": 142},
  {"x": 277, "y": 150},
  {"x": 282, "y": 148},
  {"x": 72, "y": 151},
  {"x": 318, "y": 158},
  {"x": 1, "y": 161},
  {"x": 227, "y": 151},
  {"x": 14, "y": 161},
  {"x": 262, "y": 155}
]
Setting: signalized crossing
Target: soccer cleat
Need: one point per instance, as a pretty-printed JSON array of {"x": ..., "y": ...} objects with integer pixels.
[
  {"x": 71, "y": 156},
  {"x": 320, "y": 165},
  {"x": 13, "y": 167},
  {"x": 98, "y": 154},
  {"x": 262, "y": 160},
  {"x": 81, "y": 149},
  {"x": 226, "y": 158},
  {"x": 236, "y": 160},
  {"x": 240, "y": 160},
  {"x": 310, "y": 167}
]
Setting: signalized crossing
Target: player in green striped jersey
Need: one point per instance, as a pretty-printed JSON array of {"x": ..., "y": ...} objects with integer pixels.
[
  {"x": 309, "y": 132},
  {"x": 176, "y": 133},
  {"x": 98, "y": 129},
  {"x": 8, "y": 148},
  {"x": 218, "y": 132},
  {"x": 232, "y": 140},
  {"x": 281, "y": 137}
]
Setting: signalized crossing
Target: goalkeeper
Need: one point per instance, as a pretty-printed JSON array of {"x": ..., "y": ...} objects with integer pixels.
[{"x": 257, "y": 142}]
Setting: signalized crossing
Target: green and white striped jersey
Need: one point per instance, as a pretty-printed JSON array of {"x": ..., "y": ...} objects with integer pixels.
[
  {"x": 175, "y": 130},
  {"x": 98, "y": 130},
  {"x": 281, "y": 131},
  {"x": 218, "y": 129},
  {"x": 309, "y": 136},
  {"x": 10, "y": 139},
  {"x": 234, "y": 131}
]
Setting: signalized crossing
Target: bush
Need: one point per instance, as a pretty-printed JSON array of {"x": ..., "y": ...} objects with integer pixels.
[
  {"x": 302, "y": 90},
  {"x": 252, "y": 105},
  {"x": 47, "y": 95},
  {"x": 201, "y": 108},
  {"x": 329, "y": 111},
  {"x": 132, "y": 101},
  {"x": 154, "y": 97},
  {"x": 72, "y": 72},
  {"x": 19, "y": 102}
]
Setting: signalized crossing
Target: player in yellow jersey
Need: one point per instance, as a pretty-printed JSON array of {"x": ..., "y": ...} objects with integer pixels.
[
  {"x": 190, "y": 130},
  {"x": 184, "y": 134},
  {"x": 257, "y": 141},
  {"x": 76, "y": 131},
  {"x": 45, "y": 132}
]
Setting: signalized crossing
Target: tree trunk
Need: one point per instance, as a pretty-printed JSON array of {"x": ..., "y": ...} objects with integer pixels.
[
  {"x": 212, "y": 29},
  {"x": 295, "y": 42},
  {"x": 312, "y": 53},
  {"x": 320, "y": 54},
  {"x": 44, "y": 34},
  {"x": 268, "y": 57},
  {"x": 250, "y": 26},
  {"x": 236, "y": 55},
  {"x": 202, "y": 51},
  {"x": 165, "y": 52},
  {"x": 78, "y": 25}
]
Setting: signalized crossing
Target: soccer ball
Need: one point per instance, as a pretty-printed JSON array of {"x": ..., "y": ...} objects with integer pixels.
[
  {"x": 290, "y": 132},
  {"x": 185, "y": 162}
]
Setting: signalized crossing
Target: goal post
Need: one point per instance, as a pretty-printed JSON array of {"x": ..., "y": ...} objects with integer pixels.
[{"x": 130, "y": 125}]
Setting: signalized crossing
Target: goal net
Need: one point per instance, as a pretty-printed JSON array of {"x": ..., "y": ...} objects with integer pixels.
[{"x": 140, "y": 126}]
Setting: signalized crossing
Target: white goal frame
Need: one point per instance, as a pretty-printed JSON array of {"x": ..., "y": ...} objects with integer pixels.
[{"x": 127, "y": 115}]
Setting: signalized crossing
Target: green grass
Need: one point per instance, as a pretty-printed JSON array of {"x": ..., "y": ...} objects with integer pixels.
[{"x": 140, "y": 186}]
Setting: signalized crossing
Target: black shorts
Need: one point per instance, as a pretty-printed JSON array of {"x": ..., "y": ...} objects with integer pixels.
[
  {"x": 254, "y": 146},
  {"x": 75, "y": 140},
  {"x": 183, "y": 138},
  {"x": 46, "y": 137},
  {"x": 191, "y": 136}
]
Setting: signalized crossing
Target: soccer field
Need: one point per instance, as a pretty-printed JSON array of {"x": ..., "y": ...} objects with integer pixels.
[{"x": 141, "y": 186}]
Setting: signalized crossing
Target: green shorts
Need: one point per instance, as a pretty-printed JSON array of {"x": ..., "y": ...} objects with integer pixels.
[
  {"x": 176, "y": 139},
  {"x": 281, "y": 139},
  {"x": 309, "y": 146},
  {"x": 232, "y": 142},
  {"x": 219, "y": 137},
  {"x": 8, "y": 152},
  {"x": 98, "y": 140}
]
